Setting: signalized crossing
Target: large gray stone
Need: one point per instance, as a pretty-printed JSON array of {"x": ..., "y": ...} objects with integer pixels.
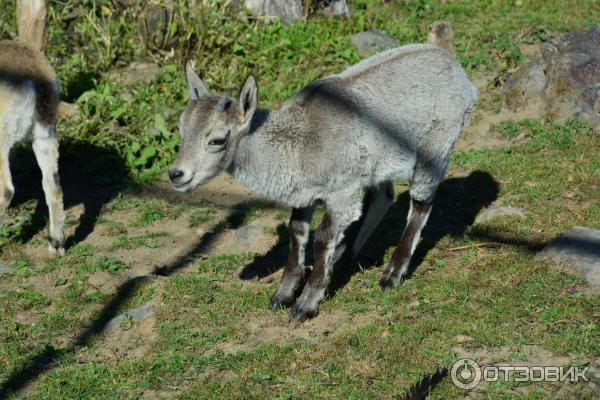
[
  {"x": 369, "y": 43},
  {"x": 287, "y": 11},
  {"x": 492, "y": 213},
  {"x": 579, "y": 247},
  {"x": 562, "y": 82}
]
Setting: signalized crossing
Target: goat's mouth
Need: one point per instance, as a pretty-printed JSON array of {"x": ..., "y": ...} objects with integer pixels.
[{"x": 184, "y": 186}]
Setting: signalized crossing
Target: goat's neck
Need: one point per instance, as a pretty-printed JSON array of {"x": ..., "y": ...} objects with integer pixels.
[{"x": 252, "y": 162}]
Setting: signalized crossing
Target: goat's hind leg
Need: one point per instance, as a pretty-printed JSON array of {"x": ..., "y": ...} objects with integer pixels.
[
  {"x": 45, "y": 147},
  {"x": 295, "y": 271},
  {"x": 432, "y": 161},
  {"x": 377, "y": 201},
  {"x": 400, "y": 261},
  {"x": 6, "y": 186}
]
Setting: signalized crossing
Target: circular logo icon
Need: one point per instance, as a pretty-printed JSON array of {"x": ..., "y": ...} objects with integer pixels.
[{"x": 465, "y": 373}]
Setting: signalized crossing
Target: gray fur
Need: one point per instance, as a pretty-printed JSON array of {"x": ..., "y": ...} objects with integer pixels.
[{"x": 393, "y": 116}]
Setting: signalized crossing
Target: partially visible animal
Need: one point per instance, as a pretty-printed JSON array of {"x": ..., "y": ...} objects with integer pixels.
[
  {"x": 442, "y": 35},
  {"x": 29, "y": 99},
  {"x": 31, "y": 20},
  {"x": 393, "y": 116}
]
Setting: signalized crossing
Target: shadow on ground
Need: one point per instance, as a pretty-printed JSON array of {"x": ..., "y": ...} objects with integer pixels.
[
  {"x": 49, "y": 357},
  {"x": 89, "y": 175}
]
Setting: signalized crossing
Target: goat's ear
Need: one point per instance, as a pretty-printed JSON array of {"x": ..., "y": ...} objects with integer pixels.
[
  {"x": 195, "y": 84},
  {"x": 248, "y": 100}
]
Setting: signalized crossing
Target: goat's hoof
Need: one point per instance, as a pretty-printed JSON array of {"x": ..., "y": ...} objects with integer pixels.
[
  {"x": 58, "y": 250},
  {"x": 386, "y": 283},
  {"x": 279, "y": 302},
  {"x": 300, "y": 314}
]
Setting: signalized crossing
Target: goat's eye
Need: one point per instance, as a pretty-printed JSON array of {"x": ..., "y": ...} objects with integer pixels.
[
  {"x": 217, "y": 142},
  {"x": 220, "y": 142}
]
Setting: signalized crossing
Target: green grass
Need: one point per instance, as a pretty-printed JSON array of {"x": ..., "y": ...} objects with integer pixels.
[{"x": 214, "y": 337}]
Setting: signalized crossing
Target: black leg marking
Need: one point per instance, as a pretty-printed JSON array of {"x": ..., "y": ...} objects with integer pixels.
[
  {"x": 398, "y": 265},
  {"x": 55, "y": 243},
  {"x": 294, "y": 273}
]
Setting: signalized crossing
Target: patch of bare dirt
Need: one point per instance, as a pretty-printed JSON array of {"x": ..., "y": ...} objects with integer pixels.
[{"x": 276, "y": 329}]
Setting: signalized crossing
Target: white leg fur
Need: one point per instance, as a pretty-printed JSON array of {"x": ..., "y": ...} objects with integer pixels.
[{"x": 45, "y": 147}]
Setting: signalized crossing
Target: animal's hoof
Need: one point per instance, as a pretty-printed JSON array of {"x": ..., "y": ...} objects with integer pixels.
[
  {"x": 300, "y": 314},
  {"x": 279, "y": 302},
  {"x": 56, "y": 251},
  {"x": 387, "y": 283}
]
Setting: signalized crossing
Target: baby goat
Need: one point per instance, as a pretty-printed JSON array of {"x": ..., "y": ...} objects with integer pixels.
[
  {"x": 29, "y": 98},
  {"x": 393, "y": 116}
]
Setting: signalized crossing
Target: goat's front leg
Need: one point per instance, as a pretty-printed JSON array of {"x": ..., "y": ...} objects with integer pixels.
[
  {"x": 45, "y": 147},
  {"x": 328, "y": 236},
  {"x": 294, "y": 272}
]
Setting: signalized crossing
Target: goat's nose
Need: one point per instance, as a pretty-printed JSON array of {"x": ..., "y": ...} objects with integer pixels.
[{"x": 175, "y": 173}]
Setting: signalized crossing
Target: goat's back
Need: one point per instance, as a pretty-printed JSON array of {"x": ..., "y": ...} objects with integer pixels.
[{"x": 401, "y": 92}]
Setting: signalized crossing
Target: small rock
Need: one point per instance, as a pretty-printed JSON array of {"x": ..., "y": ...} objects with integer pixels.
[
  {"x": 135, "y": 315},
  {"x": 369, "y": 43},
  {"x": 6, "y": 268},
  {"x": 579, "y": 247},
  {"x": 414, "y": 303},
  {"x": 157, "y": 27},
  {"x": 136, "y": 72},
  {"x": 287, "y": 11},
  {"x": 463, "y": 339},
  {"x": 337, "y": 8},
  {"x": 67, "y": 110},
  {"x": 492, "y": 213},
  {"x": 442, "y": 35}
]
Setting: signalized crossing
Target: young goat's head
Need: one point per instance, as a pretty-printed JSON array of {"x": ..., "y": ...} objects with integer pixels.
[{"x": 209, "y": 130}]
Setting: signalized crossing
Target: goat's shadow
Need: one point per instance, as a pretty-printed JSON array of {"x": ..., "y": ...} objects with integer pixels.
[
  {"x": 457, "y": 203},
  {"x": 89, "y": 175}
]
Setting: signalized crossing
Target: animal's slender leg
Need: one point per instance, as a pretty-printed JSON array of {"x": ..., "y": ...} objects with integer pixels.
[
  {"x": 6, "y": 186},
  {"x": 294, "y": 272},
  {"x": 328, "y": 236},
  {"x": 432, "y": 161},
  {"x": 377, "y": 201},
  {"x": 398, "y": 265},
  {"x": 380, "y": 199},
  {"x": 45, "y": 147}
]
